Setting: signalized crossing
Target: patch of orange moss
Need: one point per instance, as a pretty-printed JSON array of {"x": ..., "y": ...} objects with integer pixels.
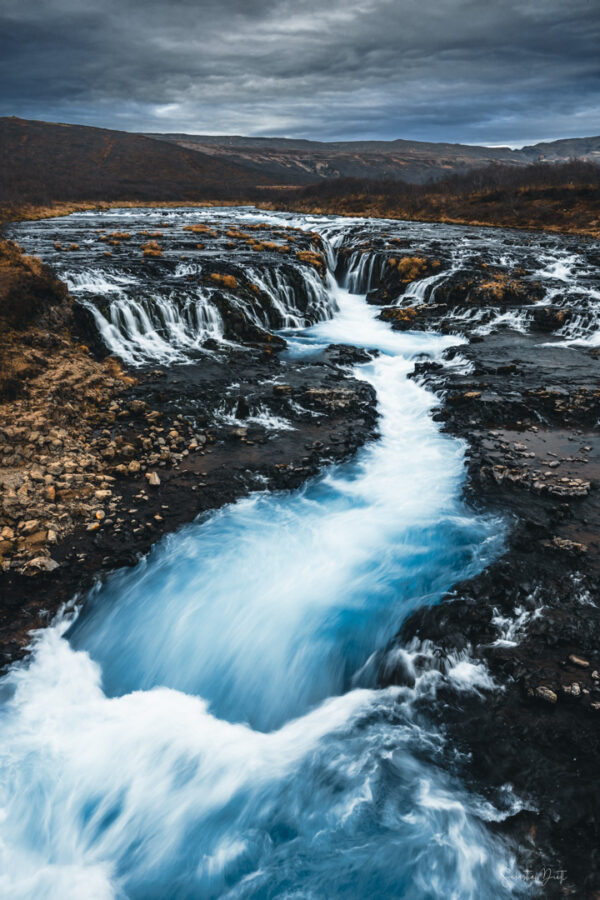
[
  {"x": 152, "y": 248},
  {"x": 312, "y": 258},
  {"x": 409, "y": 268},
  {"x": 227, "y": 281},
  {"x": 200, "y": 228}
]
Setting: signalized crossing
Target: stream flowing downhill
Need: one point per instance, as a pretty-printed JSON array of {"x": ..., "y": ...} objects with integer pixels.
[{"x": 208, "y": 724}]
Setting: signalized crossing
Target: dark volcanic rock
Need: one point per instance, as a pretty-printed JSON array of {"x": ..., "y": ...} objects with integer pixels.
[
  {"x": 488, "y": 287},
  {"x": 530, "y": 412}
]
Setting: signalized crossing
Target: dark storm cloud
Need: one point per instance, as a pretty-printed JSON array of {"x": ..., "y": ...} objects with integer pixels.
[{"x": 470, "y": 70}]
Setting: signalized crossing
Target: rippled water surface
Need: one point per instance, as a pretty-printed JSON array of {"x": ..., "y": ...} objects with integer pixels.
[{"x": 209, "y": 726}]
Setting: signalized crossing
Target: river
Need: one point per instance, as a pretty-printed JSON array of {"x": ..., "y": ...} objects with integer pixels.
[{"x": 208, "y": 723}]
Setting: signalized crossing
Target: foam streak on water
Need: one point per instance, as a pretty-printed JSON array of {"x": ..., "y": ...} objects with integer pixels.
[{"x": 204, "y": 729}]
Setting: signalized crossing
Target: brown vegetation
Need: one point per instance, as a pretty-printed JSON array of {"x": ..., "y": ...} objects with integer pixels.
[
  {"x": 309, "y": 256},
  {"x": 409, "y": 268},
  {"x": 548, "y": 196},
  {"x": 28, "y": 288},
  {"x": 201, "y": 228},
  {"x": 152, "y": 248},
  {"x": 227, "y": 281}
]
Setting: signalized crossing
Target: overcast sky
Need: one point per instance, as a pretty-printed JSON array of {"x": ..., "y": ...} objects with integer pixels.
[{"x": 478, "y": 71}]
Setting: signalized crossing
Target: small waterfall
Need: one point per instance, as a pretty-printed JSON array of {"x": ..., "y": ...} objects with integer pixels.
[
  {"x": 330, "y": 248},
  {"x": 280, "y": 294},
  {"x": 159, "y": 327},
  {"x": 419, "y": 291},
  {"x": 298, "y": 295},
  {"x": 175, "y": 318},
  {"x": 583, "y": 325},
  {"x": 365, "y": 269}
]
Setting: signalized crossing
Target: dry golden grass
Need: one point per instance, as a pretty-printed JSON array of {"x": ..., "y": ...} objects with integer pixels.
[
  {"x": 200, "y": 228},
  {"x": 115, "y": 369},
  {"x": 309, "y": 256},
  {"x": 152, "y": 248},
  {"x": 227, "y": 281},
  {"x": 409, "y": 268},
  {"x": 498, "y": 286}
]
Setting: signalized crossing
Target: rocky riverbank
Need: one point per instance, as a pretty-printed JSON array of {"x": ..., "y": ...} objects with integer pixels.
[{"x": 529, "y": 408}]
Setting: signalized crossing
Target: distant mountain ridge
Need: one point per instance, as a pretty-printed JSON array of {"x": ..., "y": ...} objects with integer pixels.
[
  {"x": 45, "y": 161},
  {"x": 300, "y": 162}
]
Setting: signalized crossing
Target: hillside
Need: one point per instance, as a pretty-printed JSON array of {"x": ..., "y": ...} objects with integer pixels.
[
  {"x": 560, "y": 197},
  {"x": 42, "y": 162},
  {"x": 301, "y": 162}
]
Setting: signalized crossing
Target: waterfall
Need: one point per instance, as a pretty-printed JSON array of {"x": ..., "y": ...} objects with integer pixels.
[
  {"x": 167, "y": 323},
  {"x": 298, "y": 295},
  {"x": 364, "y": 270},
  {"x": 155, "y": 326},
  {"x": 424, "y": 288}
]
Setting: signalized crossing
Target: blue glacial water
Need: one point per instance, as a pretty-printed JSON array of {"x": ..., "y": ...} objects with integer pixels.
[{"x": 207, "y": 728}]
